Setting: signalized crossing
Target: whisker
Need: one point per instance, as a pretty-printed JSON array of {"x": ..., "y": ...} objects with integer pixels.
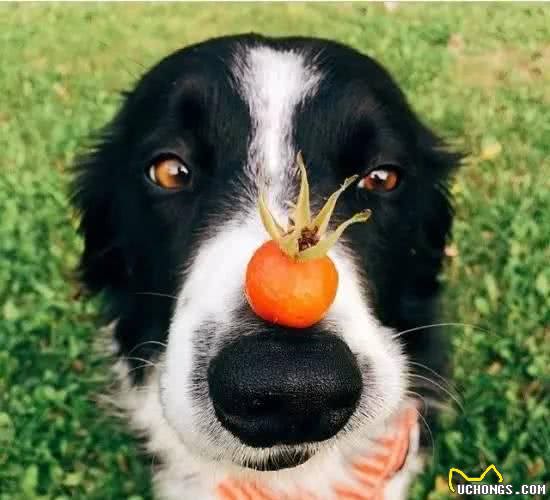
[
  {"x": 433, "y": 372},
  {"x": 157, "y": 294},
  {"x": 154, "y": 460},
  {"x": 439, "y": 405},
  {"x": 437, "y": 325},
  {"x": 140, "y": 367},
  {"x": 418, "y": 396},
  {"x": 430, "y": 433},
  {"x": 436, "y": 384},
  {"x": 154, "y": 342},
  {"x": 145, "y": 362},
  {"x": 431, "y": 402}
]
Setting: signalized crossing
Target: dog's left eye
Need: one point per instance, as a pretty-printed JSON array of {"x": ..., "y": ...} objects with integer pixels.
[
  {"x": 169, "y": 172},
  {"x": 381, "y": 179}
]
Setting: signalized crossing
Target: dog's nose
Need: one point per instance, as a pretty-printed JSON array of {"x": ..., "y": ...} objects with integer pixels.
[{"x": 284, "y": 388}]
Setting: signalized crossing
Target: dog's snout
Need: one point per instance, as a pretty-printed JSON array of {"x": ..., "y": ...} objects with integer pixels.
[{"x": 285, "y": 388}]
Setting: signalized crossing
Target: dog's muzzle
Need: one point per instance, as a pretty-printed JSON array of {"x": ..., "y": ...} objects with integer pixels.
[{"x": 288, "y": 387}]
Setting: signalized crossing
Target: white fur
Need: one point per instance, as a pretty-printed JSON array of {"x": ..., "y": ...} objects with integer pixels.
[
  {"x": 273, "y": 83},
  {"x": 183, "y": 430}
]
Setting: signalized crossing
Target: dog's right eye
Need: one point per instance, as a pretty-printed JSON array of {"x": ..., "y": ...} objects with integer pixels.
[{"x": 169, "y": 172}]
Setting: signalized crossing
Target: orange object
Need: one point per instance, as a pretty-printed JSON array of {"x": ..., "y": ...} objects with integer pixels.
[
  {"x": 282, "y": 290},
  {"x": 290, "y": 280},
  {"x": 368, "y": 474}
]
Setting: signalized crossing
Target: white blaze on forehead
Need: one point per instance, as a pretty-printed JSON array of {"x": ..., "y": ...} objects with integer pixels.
[{"x": 273, "y": 83}]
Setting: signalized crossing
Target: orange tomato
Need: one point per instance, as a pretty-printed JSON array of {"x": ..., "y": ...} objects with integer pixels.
[
  {"x": 290, "y": 280},
  {"x": 288, "y": 292}
]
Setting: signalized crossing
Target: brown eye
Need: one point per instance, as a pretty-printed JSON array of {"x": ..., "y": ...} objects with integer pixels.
[
  {"x": 380, "y": 179},
  {"x": 170, "y": 173}
]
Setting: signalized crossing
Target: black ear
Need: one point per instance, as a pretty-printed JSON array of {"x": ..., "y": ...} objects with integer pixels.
[
  {"x": 440, "y": 164},
  {"x": 419, "y": 302},
  {"x": 435, "y": 221},
  {"x": 102, "y": 264}
]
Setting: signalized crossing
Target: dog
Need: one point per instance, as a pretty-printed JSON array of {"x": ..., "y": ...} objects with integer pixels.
[{"x": 232, "y": 406}]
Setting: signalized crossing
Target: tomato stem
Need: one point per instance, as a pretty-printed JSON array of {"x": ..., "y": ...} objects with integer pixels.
[{"x": 306, "y": 238}]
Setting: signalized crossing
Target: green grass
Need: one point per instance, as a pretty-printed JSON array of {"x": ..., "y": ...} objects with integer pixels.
[{"x": 478, "y": 73}]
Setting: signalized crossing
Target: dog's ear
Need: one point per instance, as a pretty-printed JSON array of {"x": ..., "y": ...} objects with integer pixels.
[
  {"x": 439, "y": 163},
  {"x": 419, "y": 300},
  {"x": 102, "y": 264}
]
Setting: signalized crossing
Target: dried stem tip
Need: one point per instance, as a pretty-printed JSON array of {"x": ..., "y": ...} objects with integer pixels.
[{"x": 307, "y": 238}]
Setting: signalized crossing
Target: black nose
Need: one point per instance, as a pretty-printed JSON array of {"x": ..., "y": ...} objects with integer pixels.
[{"x": 284, "y": 388}]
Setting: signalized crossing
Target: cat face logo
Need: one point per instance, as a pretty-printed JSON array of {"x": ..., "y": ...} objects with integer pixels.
[{"x": 473, "y": 479}]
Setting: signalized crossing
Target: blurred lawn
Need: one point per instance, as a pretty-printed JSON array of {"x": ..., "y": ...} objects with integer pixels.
[{"x": 479, "y": 73}]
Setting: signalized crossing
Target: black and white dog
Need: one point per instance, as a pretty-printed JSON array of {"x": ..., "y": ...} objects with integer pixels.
[{"x": 168, "y": 207}]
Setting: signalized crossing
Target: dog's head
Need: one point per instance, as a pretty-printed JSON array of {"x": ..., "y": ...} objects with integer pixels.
[{"x": 168, "y": 202}]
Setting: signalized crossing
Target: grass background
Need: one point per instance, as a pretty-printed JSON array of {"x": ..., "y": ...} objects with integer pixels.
[{"x": 478, "y": 73}]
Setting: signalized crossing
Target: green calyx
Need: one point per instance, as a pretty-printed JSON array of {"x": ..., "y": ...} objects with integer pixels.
[{"x": 308, "y": 238}]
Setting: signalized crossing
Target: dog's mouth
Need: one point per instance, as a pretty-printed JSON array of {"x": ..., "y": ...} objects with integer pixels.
[{"x": 280, "y": 461}]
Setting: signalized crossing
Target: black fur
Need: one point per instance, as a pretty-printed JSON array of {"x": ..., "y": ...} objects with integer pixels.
[{"x": 138, "y": 239}]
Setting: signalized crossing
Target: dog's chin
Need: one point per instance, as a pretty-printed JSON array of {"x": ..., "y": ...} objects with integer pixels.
[{"x": 279, "y": 462}]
